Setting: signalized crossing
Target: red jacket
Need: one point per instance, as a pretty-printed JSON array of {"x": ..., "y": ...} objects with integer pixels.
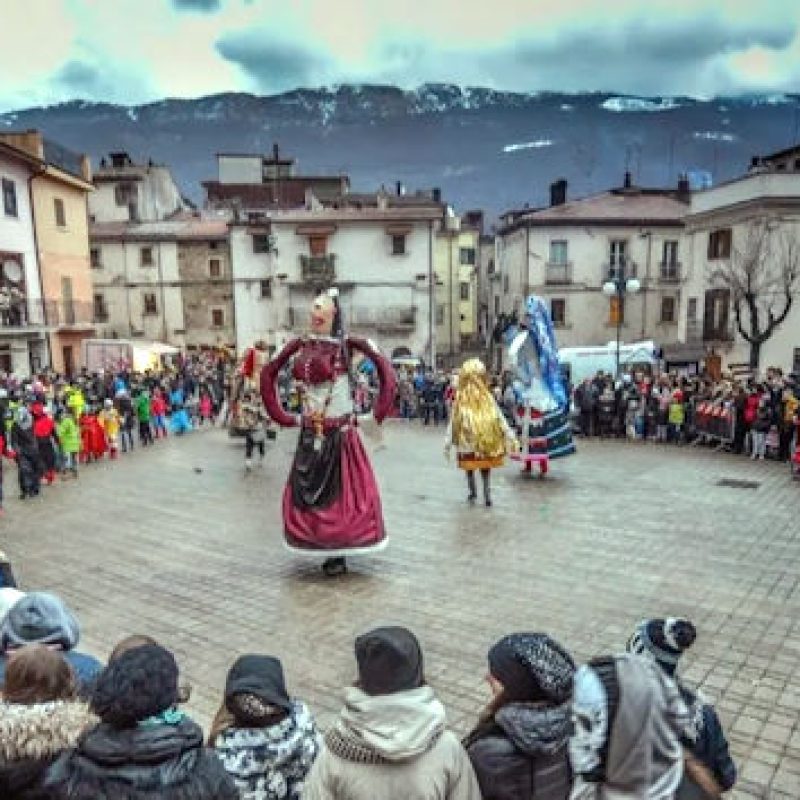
[
  {"x": 751, "y": 408},
  {"x": 43, "y": 427},
  {"x": 158, "y": 407}
]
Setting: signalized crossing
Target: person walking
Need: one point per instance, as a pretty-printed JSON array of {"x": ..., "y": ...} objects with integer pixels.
[
  {"x": 253, "y": 422},
  {"x": 158, "y": 410},
  {"x": 761, "y": 426},
  {"x": 390, "y": 740},
  {"x": 69, "y": 441},
  {"x": 143, "y": 412},
  {"x": 44, "y": 431},
  {"x": 124, "y": 407},
  {"x": 519, "y": 748},
  {"x": 29, "y": 461},
  {"x": 110, "y": 422}
]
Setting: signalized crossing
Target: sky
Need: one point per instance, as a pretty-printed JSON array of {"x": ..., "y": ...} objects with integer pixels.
[{"x": 136, "y": 51}]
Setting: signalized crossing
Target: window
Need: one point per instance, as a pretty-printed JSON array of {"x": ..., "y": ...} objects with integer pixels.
[
  {"x": 94, "y": 258},
  {"x": 214, "y": 268},
  {"x": 466, "y": 255},
  {"x": 146, "y": 255},
  {"x": 617, "y": 258},
  {"x": 261, "y": 243},
  {"x": 797, "y": 165},
  {"x": 440, "y": 314},
  {"x": 217, "y": 318},
  {"x": 213, "y": 245},
  {"x": 691, "y": 309},
  {"x": 558, "y": 251},
  {"x": 150, "y": 305},
  {"x": 616, "y": 310},
  {"x": 266, "y": 289},
  {"x": 100, "y": 310},
  {"x": 318, "y": 246},
  {"x": 719, "y": 244},
  {"x": 399, "y": 245},
  {"x": 558, "y": 311},
  {"x": 61, "y": 217},
  {"x": 497, "y": 305},
  {"x": 505, "y": 284},
  {"x": 10, "y": 198},
  {"x": 715, "y": 317},
  {"x": 670, "y": 253},
  {"x": 490, "y": 267},
  {"x": 124, "y": 194},
  {"x": 668, "y": 309},
  {"x": 464, "y": 293}
]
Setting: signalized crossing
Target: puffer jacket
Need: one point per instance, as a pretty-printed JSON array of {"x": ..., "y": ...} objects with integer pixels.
[
  {"x": 156, "y": 761},
  {"x": 522, "y": 754},
  {"x": 392, "y": 747},
  {"x": 31, "y": 738},
  {"x": 271, "y": 763}
]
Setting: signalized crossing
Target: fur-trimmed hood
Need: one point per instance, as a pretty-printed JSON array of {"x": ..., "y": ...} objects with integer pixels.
[{"x": 41, "y": 731}]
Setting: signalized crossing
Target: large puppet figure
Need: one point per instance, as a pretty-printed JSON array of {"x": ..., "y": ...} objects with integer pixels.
[
  {"x": 542, "y": 413},
  {"x": 331, "y": 503},
  {"x": 478, "y": 429}
]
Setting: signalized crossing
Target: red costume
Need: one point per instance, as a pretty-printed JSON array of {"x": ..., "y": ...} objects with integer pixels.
[
  {"x": 93, "y": 438},
  {"x": 331, "y": 501},
  {"x": 44, "y": 431}
]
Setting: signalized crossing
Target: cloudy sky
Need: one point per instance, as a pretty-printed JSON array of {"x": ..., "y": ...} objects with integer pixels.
[{"x": 134, "y": 51}]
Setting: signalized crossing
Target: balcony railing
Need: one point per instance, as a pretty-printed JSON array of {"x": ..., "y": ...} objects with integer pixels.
[
  {"x": 22, "y": 313},
  {"x": 670, "y": 272},
  {"x": 69, "y": 313},
  {"x": 558, "y": 274},
  {"x": 612, "y": 272},
  {"x": 717, "y": 334},
  {"x": 385, "y": 318},
  {"x": 318, "y": 270}
]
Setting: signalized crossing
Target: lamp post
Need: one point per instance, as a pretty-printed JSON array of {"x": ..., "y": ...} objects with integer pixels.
[{"x": 618, "y": 286}]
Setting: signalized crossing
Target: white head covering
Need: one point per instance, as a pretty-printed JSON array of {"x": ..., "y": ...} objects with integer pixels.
[{"x": 8, "y": 597}]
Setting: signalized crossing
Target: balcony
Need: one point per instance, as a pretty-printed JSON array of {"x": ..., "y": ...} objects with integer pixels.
[
  {"x": 69, "y": 314},
  {"x": 556, "y": 274},
  {"x": 387, "y": 319},
  {"x": 318, "y": 270},
  {"x": 670, "y": 272},
  {"x": 721, "y": 333},
  {"x": 612, "y": 272}
]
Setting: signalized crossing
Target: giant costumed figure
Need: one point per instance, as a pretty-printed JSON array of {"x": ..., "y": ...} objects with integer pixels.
[
  {"x": 331, "y": 504},
  {"x": 478, "y": 429},
  {"x": 542, "y": 404}
]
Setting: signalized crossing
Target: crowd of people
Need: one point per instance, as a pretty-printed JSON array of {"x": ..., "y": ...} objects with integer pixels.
[
  {"x": 759, "y": 418},
  {"x": 624, "y": 725},
  {"x": 51, "y": 425}
]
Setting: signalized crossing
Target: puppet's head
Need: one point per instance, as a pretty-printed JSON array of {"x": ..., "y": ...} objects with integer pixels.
[{"x": 326, "y": 316}]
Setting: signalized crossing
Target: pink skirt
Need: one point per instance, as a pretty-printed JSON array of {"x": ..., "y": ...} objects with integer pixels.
[{"x": 353, "y": 521}]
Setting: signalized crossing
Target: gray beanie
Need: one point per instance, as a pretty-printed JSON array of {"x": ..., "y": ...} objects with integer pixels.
[{"x": 39, "y": 618}]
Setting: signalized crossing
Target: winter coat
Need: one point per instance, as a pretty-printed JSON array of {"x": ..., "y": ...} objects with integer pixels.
[
  {"x": 142, "y": 405},
  {"x": 31, "y": 738},
  {"x": 271, "y": 763},
  {"x": 158, "y": 761},
  {"x": 763, "y": 420},
  {"x": 124, "y": 408},
  {"x": 158, "y": 406},
  {"x": 68, "y": 435},
  {"x": 751, "y": 408},
  {"x": 392, "y": 747},
  {"x": 522, "y": 754}
]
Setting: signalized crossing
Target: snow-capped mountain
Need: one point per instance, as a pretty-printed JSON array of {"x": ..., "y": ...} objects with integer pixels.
[{"x": 484, "y": 148}]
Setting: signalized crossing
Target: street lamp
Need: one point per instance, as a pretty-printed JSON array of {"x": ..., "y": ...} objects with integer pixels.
[{"x": 618, "y": 286}]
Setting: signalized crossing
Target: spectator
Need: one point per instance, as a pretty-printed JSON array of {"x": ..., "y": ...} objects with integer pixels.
[
  {"x": 143, "y": 746},
  {"x": 42, "y": 618},
  {"x": 629, "y": 719},
  {"x": 761, "y": 427},
  {"x": 519, "y": 748},
  {"x": 142, "y": 407},
  {"x": 69, "y": 441},
  {"x": 267, "y": 741},
  {"x": 390, "y": 741},
  {"x": 29, "y": 462},
  {"x": 124, "y": 407},
  {"x": 40, "y": 718},
  {"x": 664, "y": 641}
]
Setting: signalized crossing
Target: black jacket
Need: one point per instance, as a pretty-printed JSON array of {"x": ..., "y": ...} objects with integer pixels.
[
  {"x": 167, "y": 762},
  {"x": 523, "y": 755}
]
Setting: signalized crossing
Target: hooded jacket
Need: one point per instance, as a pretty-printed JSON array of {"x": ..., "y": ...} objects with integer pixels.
[
  {"x": 31, "y": 738},
  {"x": 271, "y": 763},
  {"x": 392, "y": 747},
  {"x": 151, "y": 760},
  {"x": 523, "y": 754}
]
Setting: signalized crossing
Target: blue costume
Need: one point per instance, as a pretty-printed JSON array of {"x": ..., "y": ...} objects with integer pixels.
[{"x": 542, "y": 413}]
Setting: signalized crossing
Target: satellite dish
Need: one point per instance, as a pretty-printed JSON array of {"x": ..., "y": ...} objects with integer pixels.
[{"x": 12, "y": 271}]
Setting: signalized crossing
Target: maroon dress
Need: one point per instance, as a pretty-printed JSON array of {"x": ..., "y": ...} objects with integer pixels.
[{"x": 331, "y": 500}]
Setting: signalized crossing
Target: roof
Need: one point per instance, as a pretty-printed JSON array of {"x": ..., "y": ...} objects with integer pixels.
[
  {"x": 287, "y": 192},
  {"x": 370, "y": 200},
  {"x": 183, "y": 229},
  {"x": 21, "y": 156},
  {"x": 789, "y": 151},
  {"x": 302, "y": 216},
  {"x": 615, "y": 207}
]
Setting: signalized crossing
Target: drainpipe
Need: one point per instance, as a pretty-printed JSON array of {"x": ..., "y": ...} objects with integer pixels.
[
  {"x": 646, "y": 286},
  {"x": 161, "y": 292},
  {"x": 450, "y": 345},
  {"x": 431, "y": 299},
  {"x": 48, "y": 345}
]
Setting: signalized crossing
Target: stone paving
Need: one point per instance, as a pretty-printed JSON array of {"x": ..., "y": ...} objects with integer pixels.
[{"x": 178, "y": 543}]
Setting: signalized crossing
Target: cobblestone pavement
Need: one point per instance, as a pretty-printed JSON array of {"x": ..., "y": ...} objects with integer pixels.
[{"x": 178, "y": 543}]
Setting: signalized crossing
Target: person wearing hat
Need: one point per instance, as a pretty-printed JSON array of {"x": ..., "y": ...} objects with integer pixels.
[
  {"x": 42, "y": 618},
  {"x": 29, "y": 462},
  {"x": 267, "y": 741},
  {"x": 664, "y": 641},
  {"x": 143, "y": 747},
  {"x": 390, "y": 740},
  {"x": 519, "y": 748}
]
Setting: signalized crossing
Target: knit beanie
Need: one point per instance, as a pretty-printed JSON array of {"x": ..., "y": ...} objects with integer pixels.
[
  {"x": 663, "y": 640},
  {"x": 39, "y": 618},
  {"x": 141, "y": 683},
  {"x": 532, "y": 667},
  {"x": 256, "y": 689},
  {"x": 389, "y": 661}
]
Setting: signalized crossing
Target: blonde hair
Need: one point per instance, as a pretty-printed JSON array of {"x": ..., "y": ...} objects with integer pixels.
[{"x": 476, "y": 422}]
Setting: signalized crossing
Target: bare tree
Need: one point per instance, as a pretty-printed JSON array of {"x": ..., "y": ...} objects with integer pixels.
[{"x": 762, "y": 276}]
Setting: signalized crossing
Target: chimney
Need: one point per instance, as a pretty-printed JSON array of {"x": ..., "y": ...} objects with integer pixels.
[
  {"x": 86, "y": 168},
  {"x": 628, "y": 183},
  {"x": 684, "y": 188},
  {"x": 558, "y": 193},
  {"x": 401, "y": 190},
  {"x": 437, "y": 195},
  {"x": 275, "y": 151}
]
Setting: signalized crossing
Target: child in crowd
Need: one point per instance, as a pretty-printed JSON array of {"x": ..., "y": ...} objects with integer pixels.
[
  {"x": 124, "y": 408},
  {"x": 29, "y": 462},
  {"x": 110, "y": 422},
  {"x": 676, "y": 415},
  {"x": 69, "y": 441},
  {"x": 93, "y": 438},
  {"x": 142, "y": 406},
  {"x": 761, "y": 427},
  {"x": 44, "y": 431},
  {"x": 206, "y": 408},
  {"x": 158, "y": 409}
]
